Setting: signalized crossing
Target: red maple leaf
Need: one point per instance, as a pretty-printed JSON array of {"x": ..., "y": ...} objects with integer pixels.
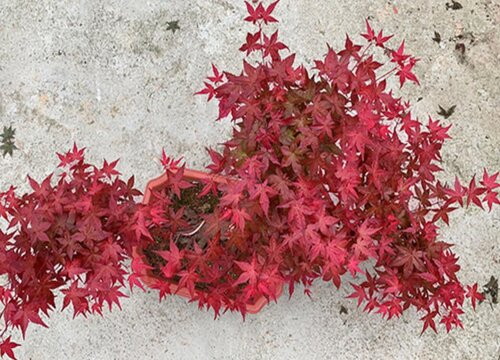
[
  {"x": 262, "y": 191},
  {"x": 135, "y": 280},
  {"x": 239, "y": 217},
  {"x": 458, "y": 193},
  {"x": 474, "y": 295},
  {"x": 440, "y": 133},
  {"x": 75, "y": 155},
  {"x": 77, "y": 297},
  {"x": 353, "y": 266},
  {"x": 39, "y": 228},
  {"x": 73, "y": 269},
  {"x": 249, "y": 272},
  {"x": 108, "y": 169},
  {"x": 41, "y": 190},
  {"x": 208, "y": 90},
  {"x": 429, "y": 321},
  {"x": 169, "y": 163},
  {"x": 405, "y": 73},
  {"x": 6, "y": 348},
  {"x": 350, "y": 50},
  {"x": 217, "y": 77},
  {"x": 490, "y": 182},
  {"x": 163, "y": 288},
  {"x": 176, "y": 181},
  {"x": 139, "y": 266},
  {"x": 173, "y": 257},
  {"x": 254, "y": 14},
  {"x": 25, "y": 315},
  {"x": 252, "y": 43},
  {"x": 272, "y": 46},
  {"x": 370, "y": 34},
  {"x": 266, "y": 13},
  {"x": 410, "y": 259},
  {"x": 112, "y": 296},
  {"x": 260, "y": 13},
  {"x": 398, "y": 56},
  {"x": 325, "y": 222},
  {"x": 491, "y": 198},
  {"x": 140, "y": 226},
  {"x": 359, "y": 293},
  {"x": 365, "y": 232},
  {"x": 380, "y": 39},
  {"x": 473, "y": 193}
]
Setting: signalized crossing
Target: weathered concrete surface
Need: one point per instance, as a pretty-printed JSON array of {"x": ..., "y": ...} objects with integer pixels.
[{"x": 108, "y": 75}]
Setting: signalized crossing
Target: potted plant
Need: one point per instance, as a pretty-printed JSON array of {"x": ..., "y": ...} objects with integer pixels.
[
  {"x": 188, "y": 245},
  {"x": 327, "y": 172},
  {"x": 344, "y": 174}
]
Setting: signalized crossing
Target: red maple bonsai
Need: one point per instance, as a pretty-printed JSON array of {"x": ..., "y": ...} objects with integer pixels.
[
  {"x": 327, "y": 173},
  {"x": 189, "y": 241},
  {"x": 342, "y": 174},
  {"x": 71, "y": 237}
]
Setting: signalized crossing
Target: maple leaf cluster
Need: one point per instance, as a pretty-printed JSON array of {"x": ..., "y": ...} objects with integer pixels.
[
  {"x": 334, "y": 172},
  {"x": 70, "y": 237}
]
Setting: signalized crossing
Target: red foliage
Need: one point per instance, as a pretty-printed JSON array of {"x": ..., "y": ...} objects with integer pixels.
[
  {"x": 72, "y": 236},
  {"x": 326, "y": 172},
  {"x": 335, "y": 172}
]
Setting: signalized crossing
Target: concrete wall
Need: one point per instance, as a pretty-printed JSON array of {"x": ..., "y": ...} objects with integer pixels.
[{"x": 108, "y": 75}]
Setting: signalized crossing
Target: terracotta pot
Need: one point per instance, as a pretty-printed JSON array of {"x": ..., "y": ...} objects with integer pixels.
[
  {"x": 189, "y": 174},
  {"x": 149, "y": 278}
]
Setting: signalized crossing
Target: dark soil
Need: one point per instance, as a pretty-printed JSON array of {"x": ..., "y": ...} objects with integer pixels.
[{"x": 194, "y": 209}]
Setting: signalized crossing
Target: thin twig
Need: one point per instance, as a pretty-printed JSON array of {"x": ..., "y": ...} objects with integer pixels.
[{"x": 194, "y": 231}]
